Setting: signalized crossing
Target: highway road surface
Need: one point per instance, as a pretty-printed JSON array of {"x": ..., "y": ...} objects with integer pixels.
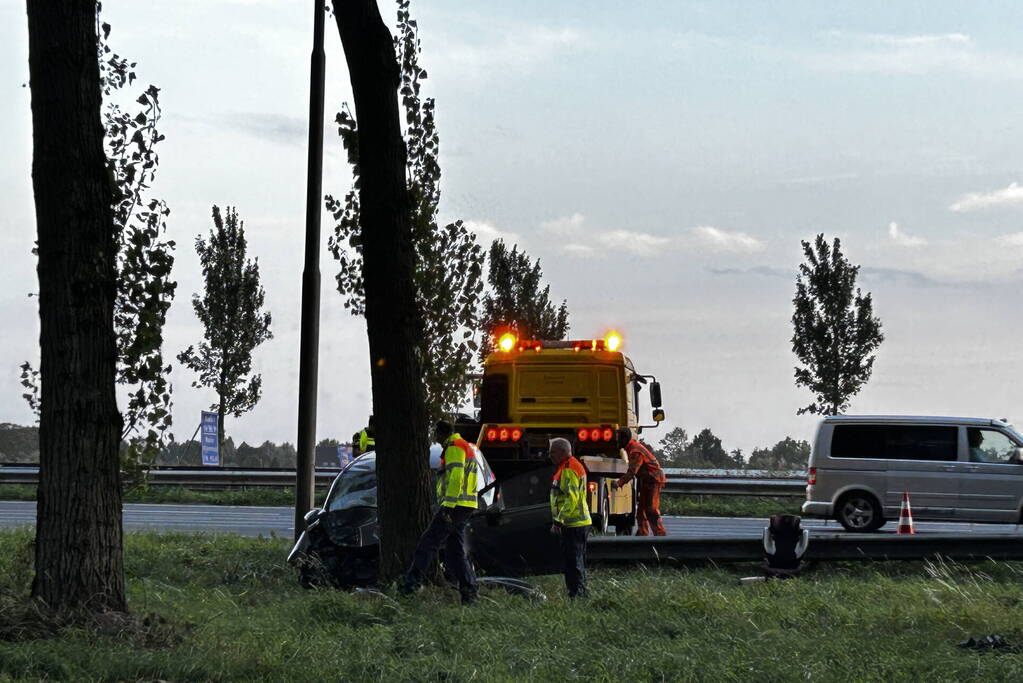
[{"x": 255, "y": 521}]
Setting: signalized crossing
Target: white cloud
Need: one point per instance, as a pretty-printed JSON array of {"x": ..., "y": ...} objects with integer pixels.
[
  {"x": 902, "y": 239},
  {"x": 639, "y": 243},
  {"x": 566, "y": 225},
  {"x": 1012, "y": 240},
  {"x": 574, "y": 249},
  {"x": 721, "y": 240},
  {"x": 487, "y": 232},
  {"x": 915, "y": 55},
  {"x": 1008, "y": 196},
  {"x": 586, "y": 244},
  {"x": 919, "y": 40},
  {"x": 507, "y": 49}
]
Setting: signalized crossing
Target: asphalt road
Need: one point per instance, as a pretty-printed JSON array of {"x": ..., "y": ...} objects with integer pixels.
[{"x": 255, "y": 521}]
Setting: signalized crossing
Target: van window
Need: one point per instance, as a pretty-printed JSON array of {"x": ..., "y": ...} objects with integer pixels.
[
  {"x": 988, "y": 445},
  {"x": 894, "y": 442},
  {"x": 921, "y": 443},
  {"x": 857, "y": 441}
]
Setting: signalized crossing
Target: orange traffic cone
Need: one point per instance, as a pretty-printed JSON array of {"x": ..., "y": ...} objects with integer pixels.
[{"x": 905, "y": 516}]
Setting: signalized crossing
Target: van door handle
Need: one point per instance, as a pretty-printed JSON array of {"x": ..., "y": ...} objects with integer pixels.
[
  {"x": 972, "y": 468},
  {"x": 948, "y": 468}
]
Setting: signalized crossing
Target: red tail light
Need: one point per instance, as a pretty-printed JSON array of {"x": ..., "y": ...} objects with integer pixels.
[
  {"x": 516, "y": 434},
  {"x": 491, "y": 435},
  {"x": 584, "y": 435},
  {"x": 503, "y": 436},
  {"x": 608, "y": 433},
  {"x": 592, "y": 486},
  {"x": 811, "y": 477},
  {"x": 594, "y": 434}
]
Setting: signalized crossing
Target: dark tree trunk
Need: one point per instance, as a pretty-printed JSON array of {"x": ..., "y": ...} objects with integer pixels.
[
  {"x": 392, "y": 319},
  {"x": 79, "y": 559}
]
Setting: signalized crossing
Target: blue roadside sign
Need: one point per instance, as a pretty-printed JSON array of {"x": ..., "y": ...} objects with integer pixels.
[{"x": 210, "y": 443}]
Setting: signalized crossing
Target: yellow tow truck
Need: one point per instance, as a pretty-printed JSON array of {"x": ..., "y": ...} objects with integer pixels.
[{"x": 532, "y": 391}]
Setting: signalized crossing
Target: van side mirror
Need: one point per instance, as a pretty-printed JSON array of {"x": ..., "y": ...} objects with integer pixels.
[
  {"x": 655, "y": 395},
  {"x": 658, "y": 415},
  {"x": 476, "y": 401}
]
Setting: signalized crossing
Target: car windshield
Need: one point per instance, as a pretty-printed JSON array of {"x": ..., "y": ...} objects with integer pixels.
[{"x": 355, "y": 487}]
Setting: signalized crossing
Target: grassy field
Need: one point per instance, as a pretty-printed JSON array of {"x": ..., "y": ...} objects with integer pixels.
[{"x": 227, "y": 608}]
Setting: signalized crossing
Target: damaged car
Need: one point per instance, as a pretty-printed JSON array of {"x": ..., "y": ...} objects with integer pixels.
[{"x": 340, "y": 545}]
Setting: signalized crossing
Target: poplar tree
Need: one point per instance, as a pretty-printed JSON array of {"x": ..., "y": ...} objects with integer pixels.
[
  {"x": 448, "y": 262},
  {"x": 835, "y": 333},
  {"x": 231, "y": 313},
  {"x": 145, "y": 258},
  {"x": 79, "y": 562},
  {"x": 393, "y": 317},
  {"x": 515, "y": 300}
]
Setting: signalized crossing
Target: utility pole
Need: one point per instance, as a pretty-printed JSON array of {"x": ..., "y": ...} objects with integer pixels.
[{"x": 309, "y": 346}]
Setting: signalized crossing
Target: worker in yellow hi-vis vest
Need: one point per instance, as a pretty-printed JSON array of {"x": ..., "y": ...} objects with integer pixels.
[
  {"x": 456, "y": 492},
  {"x": 571, "y": 513},
  {"x": 364, "y": 440}
]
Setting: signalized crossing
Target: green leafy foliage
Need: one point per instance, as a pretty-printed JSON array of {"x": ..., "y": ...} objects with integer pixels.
[
  {"x": 787, "y": 454},
  {"x": 515, "y": 301},
  {"x": 448, "y": 261},
  {"x": 232, "y": 317},
  {"x": 703, "y": 451},
  {"x": 835, "y": 333},
  {"x": 145, "y": 260}
]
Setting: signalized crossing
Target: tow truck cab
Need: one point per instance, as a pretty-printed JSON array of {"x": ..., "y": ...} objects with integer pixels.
[{"x": 584, "y": 390}]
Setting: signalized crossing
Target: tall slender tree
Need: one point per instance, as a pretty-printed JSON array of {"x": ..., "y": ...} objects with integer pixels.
[
  {"x": 231, "y": 311},
  {"x": 393, "y": 321},
  {"x": 78, "y": 552},
  {"x": 448, "y": 261},
  {"x": 515, "y": 300},
  {"x": 835, "y": 334},
  {"x": 145, "y": 259}
]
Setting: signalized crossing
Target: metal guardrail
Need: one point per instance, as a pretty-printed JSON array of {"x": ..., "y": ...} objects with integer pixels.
[
  {"x": 843, "y": 547},
  {"x": 210, "y": 478},
  {"x": 218, "y": 478}
]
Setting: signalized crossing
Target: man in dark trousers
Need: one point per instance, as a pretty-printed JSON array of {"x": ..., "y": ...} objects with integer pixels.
[
  {"x": 650, "y": 479},
  {"x": 456, "y": 492},
  {"x": 571, "y": 513}
]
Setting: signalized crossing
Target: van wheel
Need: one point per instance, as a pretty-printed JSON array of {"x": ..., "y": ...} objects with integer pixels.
[{"x": 859, "y": 512}]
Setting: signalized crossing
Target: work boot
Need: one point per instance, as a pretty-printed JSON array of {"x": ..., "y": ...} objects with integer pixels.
[
  {"x": 408, "y": 589},
  {"x": 469, "y": 598}
]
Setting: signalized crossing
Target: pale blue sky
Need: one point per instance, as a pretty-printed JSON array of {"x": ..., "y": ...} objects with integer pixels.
[{"x": 664, "y": 160}]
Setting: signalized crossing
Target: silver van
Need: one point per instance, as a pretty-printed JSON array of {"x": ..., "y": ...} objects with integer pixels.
[{"x": 954, "y": 468}]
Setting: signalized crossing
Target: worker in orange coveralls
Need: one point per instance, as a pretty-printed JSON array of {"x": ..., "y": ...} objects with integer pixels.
[{"x": 643, "y": 466}]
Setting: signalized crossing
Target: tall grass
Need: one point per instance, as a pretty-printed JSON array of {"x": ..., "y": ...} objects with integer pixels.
[{"x": 238, "y": 614}]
